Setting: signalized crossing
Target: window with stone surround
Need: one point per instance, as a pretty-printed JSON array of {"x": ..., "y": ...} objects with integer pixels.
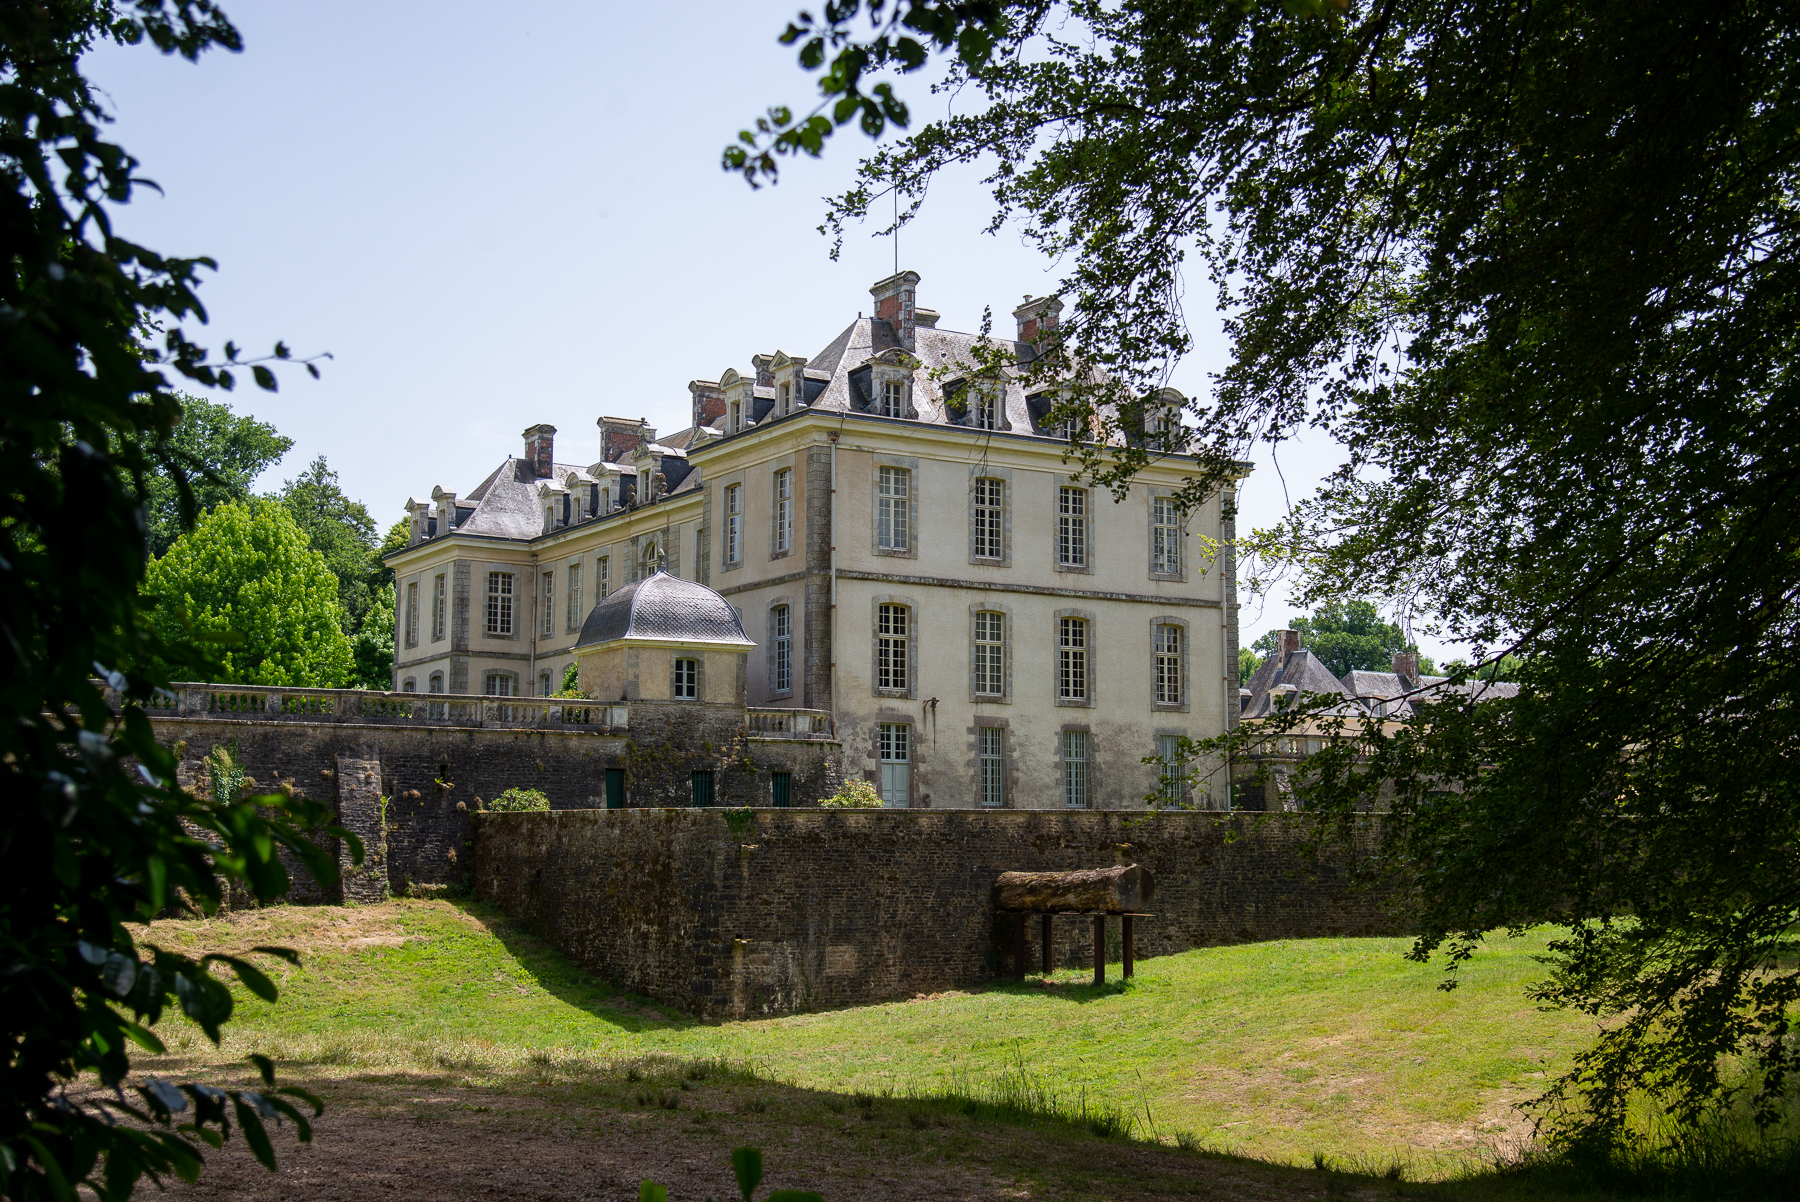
[
  {"x": 893, "y": 509},
  {"x": 412, "y": 614},
  {"x": 499, "y": 684},
  {"x": 500, "y": 604},
  {"x": 687, "y": 680},
  {"x": 988, "y": 519},
  {"x": 734, "y": 523},
  {"x": 1072, "y": 682},
  {"x": 575, "y": 614},
  {"x": 781, "y": 649},
  {"x": 1075, "y": 768},
  {"x": 991, "y": 762},
  {"x": 1071, "y": 527},
  {"x": 990, "y": 654},
  {"x": 893, "y": 633},
  {"x": 436, "y": 683},
  {"x": 891, "y": 401},
  {"x": 784, "y": 511},
  {"x": 1165, "y": 536},
  {"x": 547, "y": 603},
  {"x": 1168, "y": 657},
  {"x": 649, "y": 559},
  {"x": 437, "y": 608},
  {"x": 602, "y": 577}
]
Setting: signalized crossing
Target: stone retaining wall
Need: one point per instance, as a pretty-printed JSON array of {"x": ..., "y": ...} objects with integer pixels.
[{"x": 797, "y": 909}]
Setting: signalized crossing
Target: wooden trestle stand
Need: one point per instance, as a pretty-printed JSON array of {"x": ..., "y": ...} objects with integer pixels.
[{"x": 1097, "y": 893}]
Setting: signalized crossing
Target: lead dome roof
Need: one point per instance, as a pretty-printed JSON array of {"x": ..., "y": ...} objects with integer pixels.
[{"x": 666, "y": 608}]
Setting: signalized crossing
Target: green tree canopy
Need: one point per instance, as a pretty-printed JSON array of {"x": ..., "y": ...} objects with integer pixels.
[
  {"x": 342, "y": 531},
  {"x": 222, "y": 453},
  {"x": 245, "y": 573},
  {"x": 372, "y": 646},
  {"x": 98, "y": 835},
  {"x": 1347, "y": 635},
  {"x": 1534, "y": 265}
]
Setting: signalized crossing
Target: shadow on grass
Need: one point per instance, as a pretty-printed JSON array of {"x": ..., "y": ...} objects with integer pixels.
[{"x": 568, "y": 982}]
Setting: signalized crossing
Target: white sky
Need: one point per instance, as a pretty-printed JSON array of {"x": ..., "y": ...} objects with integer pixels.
[{"x": 493, "y": 216}]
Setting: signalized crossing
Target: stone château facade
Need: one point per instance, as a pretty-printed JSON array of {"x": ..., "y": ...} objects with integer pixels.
[{"x": 914, "y": 563}]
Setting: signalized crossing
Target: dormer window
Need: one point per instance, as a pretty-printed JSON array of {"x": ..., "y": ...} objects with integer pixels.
[
  {"x": 787, "y": 399},
  {"x": 734, "y": 417},
  {"x": 984, "y": 409},
  {"x": 891, "y": 401}
]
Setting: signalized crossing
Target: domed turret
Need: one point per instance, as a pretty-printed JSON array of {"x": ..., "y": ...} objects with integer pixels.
[{"x": 663, "y": 639}]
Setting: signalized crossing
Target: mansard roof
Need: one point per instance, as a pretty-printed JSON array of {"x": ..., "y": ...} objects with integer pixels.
[
  {"x": 507, "y": 504},
  {"x": 1306, "y": 673},
  {"x": 664, "y": 608}
]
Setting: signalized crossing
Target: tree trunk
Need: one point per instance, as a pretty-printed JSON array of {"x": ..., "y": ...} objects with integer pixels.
[{"x": 1104, "y": 890}]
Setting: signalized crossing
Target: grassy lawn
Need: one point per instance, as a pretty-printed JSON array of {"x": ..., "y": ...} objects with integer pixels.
[{"x": 1278, "y": 1051}]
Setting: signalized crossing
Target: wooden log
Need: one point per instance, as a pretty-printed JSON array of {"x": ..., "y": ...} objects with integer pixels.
[{"x": 1102, "y": 890}]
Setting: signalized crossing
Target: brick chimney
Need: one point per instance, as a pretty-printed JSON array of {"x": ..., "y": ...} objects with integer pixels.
[
  {"x": 1039, "y": 315},
  {"x": 1406, "y": 667},
  {"x": 896, "y": 302},
  {"x": 619, "y": 438},
  {"x": 1286, "y": 643},
  {"x": 709, "y": 403},
  {"x": 540, "y": 449}
]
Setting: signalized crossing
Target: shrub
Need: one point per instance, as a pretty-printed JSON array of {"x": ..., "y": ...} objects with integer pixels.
[
  {"x": 853, "y": 795},
  {"x": 518, "y": 801}
]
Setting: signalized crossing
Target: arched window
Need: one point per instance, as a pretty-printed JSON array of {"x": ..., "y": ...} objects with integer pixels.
[
  {"x": 649, "y": 559},
  {"x": 410, "y": 685},
  {"x": 437, "y": 682}
]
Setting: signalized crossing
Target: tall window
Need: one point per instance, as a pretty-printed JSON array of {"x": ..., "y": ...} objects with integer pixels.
[
  {"x": 984, "y": 409},
  {"x": 437, "y": 607},
  {"x": 412, "y": 615},
  {"x": 734, "y": 420},
  {"x": 1075, "y": 768},
  {"x": 575, "y": 615},
  {"x": 602, "y": 577},
  {"x": 892, "y": 402},
  {"x": 781, "y": 649},
  {"x": 787, "y": 398},
  {"x": 1174, "y": 768},
  {"x": 543, "y": 684},
  {"x": 891, "y": 636},
  {"x": 993, "y": 766},
  {"x": 734, "y": 523},
  {"x": 702, "y": 782},
  {"x": 784, "y": 510},
  {"x": 649, "y": 559},
  {"x": 1071, "y": 527},
  {"x": 1072, "y": 659},
  {"x": 990, "y": 654},
  {"x": 687, "y": 680},
  {"x": 896, "y": 763},
  {"x": 988, "y": 495},
  {"x": 893, "y": 498},
  {"x": 547, "y": 603},
  {"x": 500, "y": 603},
  {"x": 499, "y": 684},
  {"x": 1165, "y": 536},
  {"x": 436, "y": 683},
  {"x": 1167, "y": 647}
]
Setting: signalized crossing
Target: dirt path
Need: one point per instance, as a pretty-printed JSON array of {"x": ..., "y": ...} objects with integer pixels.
[{"x": 414, "y": 1136}]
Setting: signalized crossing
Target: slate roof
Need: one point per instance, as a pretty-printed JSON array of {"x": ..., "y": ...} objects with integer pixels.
[
  {"x": 506, "y": 503},
  {"x": 1307, "y": 673},
  {"x": 667, "y": 608},
  {"x": 1383, "y": 694}
]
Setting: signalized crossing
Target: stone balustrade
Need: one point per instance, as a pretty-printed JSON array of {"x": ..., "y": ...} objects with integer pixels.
[
  {"x": 259, "y": 703},
  {"x": 790, "y": 723}
]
